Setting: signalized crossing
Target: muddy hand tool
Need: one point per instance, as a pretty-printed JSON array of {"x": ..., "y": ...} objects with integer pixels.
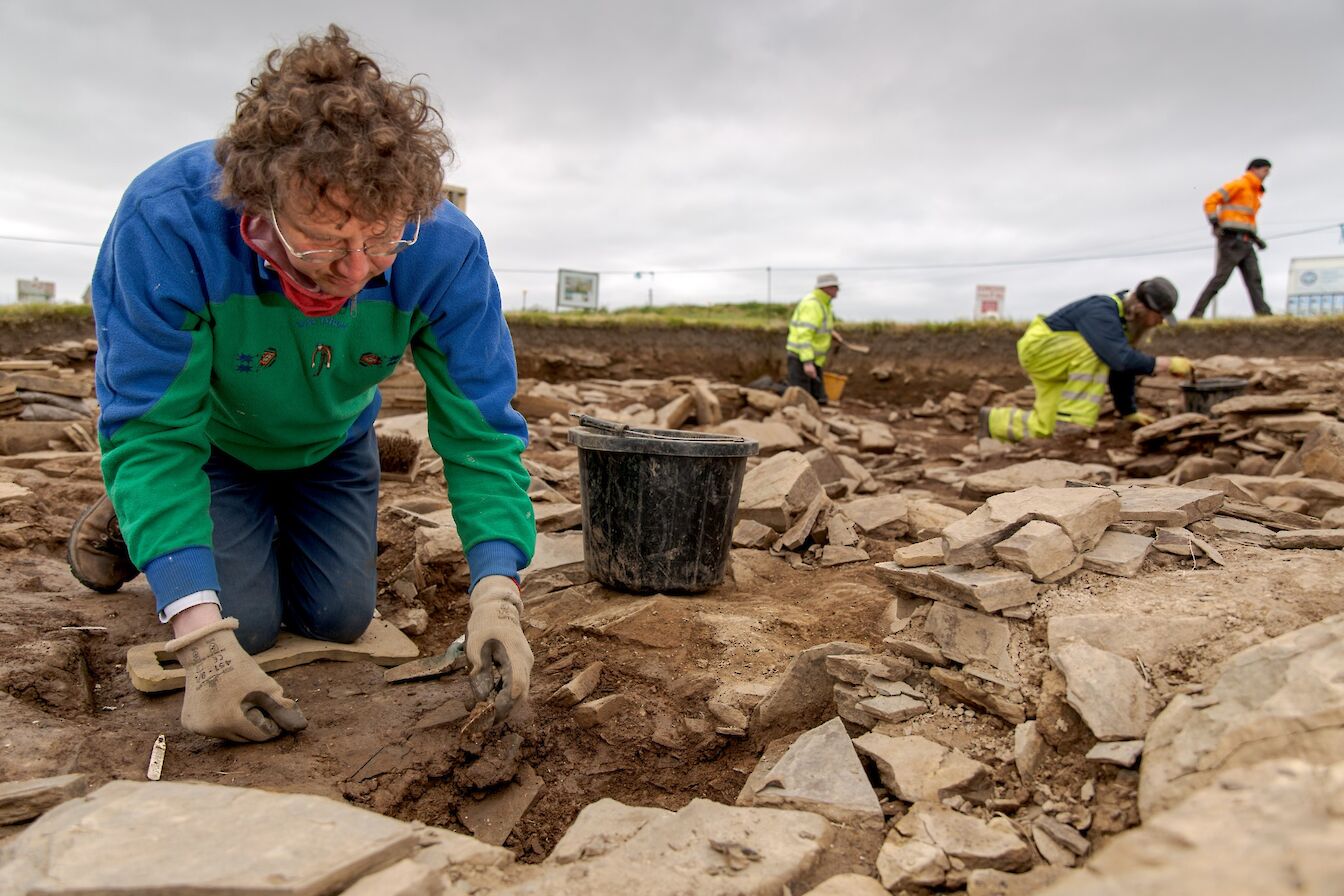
[{"x": 450, "y": 660}]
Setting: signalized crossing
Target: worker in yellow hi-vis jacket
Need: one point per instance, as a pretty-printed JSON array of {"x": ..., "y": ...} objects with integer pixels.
[
  {"x": 811, "y": 330},
  {"x": 1073, "y": 355}
]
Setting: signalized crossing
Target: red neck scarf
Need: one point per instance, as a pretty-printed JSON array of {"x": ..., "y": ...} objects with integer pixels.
[{"x": 260, "y": 236}]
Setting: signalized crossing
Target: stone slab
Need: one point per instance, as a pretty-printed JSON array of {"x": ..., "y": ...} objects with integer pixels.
[
  {"x": 1283, "y": 698},
  {"x": 821, "y": 773},
  {"x": 1124, "y": 753},
  {"x": 1039, "y": 549},
  {"x": 277, "y": 843},
  {"x": 915, "y": 768},
  {"x": 803, "y": 694},
  {"x": 1275, "y": 827},
  {"x": 22, "y": 800},
  {"x": 886, "y": 512},
  {"x": 975, "y": 843},
  {"x": 1106, "y": 690},
  {"x": 771, "y": 437},
  {"x": 893, "y": 708},
  {"x": 924, "y": 553},
  {"x": 1118, "y": 554},
  {"x": 777, "y": 490},
  {"x": 1003, "y": 702},
  {"x": 988, "y": 590},
  {"x": 1302, "y": 539},
  {"x": 1045, "y": 472},
  {"x": 381, "y": 643},
  {"x": 705, "y": 848},
  {"x": 1167, "y": 506},
  {"x": 1153, "y": 639},
  {"x": 966, "y": 636},
  {"x": 601, "y": 827},
  {"x": 492, "y": 819}
]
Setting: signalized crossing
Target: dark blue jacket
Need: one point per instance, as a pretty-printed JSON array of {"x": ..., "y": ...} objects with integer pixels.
[{"x": 1098, "y": 320}]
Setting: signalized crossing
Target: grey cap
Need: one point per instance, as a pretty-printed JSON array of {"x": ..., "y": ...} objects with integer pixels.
[
  {"x": 1160, "y": 295},
  {"x": 824, "y": 280}
]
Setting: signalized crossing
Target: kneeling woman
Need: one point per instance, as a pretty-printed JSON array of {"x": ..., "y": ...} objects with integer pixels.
[{"x": 1075, "y": 353}]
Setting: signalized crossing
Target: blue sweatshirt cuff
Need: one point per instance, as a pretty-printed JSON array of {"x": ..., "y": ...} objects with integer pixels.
[
  {"x": 495, "y": 558},
  {"x": 176, "y": 574}
]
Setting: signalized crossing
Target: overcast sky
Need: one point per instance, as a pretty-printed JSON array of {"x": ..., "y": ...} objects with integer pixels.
[{"x": 909, "y": 146}]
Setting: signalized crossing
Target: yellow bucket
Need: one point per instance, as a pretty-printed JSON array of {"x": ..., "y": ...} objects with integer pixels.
[{"x": 834, "y": 384}]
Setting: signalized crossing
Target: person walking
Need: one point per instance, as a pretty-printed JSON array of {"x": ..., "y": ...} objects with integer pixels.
[
  {"x": 1231, "y": 210},
  {"x": 249, "y": 296},
  {"x": 811, "y": 330},
  {"x": 1075, "y": 354}
]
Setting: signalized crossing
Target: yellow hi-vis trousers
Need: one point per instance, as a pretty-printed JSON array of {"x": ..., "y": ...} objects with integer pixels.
[{"x": 1070, "y": 382}]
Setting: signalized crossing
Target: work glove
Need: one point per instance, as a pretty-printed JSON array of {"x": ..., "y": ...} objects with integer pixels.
[
  {"x": 228, "y": 696},
  {"x": 1214, "y": 226},
  {"x": 1259, "y": 242},
  {"x": 499, "y": 659},
  {"x": 1179, "y": 366},
  {"x": 810, "y": 369},
  {"x": 1139, "y": 418}
]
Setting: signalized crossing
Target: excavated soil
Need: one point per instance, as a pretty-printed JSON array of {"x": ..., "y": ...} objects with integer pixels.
[{"x": 67, "y": 704}]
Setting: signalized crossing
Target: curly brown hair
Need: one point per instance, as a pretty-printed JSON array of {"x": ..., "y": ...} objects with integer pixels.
[{"x": 321, "y": 123}]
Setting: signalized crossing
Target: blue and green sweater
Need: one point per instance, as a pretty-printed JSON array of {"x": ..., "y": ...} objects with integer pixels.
[{"x": 199, "y": 347}]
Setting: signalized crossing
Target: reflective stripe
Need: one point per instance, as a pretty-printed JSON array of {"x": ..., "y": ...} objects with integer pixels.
[
  {"x": 1226, "y": 195},
  {"x": 799, "y": 346},
  {"x": 803, "y": 325},
  {"x": 1088, "y": 378},
  {"x": 1244, "y": 209},
  {"x": 1081, "y": 396}
]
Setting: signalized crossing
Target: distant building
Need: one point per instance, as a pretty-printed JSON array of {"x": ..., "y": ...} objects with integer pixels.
[
  {"x": 456, "y": 195},
  {"x": 1315, "y": 286},
  {"x": 35, "y": 290}
]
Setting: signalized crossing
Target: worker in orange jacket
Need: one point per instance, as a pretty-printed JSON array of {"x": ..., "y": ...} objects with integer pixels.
[{"x": 1231, "y": 212}]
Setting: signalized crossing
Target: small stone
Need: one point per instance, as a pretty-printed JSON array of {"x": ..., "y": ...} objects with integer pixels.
[
  {"x": 1105, "y": 689},
  {"x": 1118, "y": 554},
  {"x": 754, "y": 535},
  {"x": 975, "y": 843},
  {"x": 1028, "y": 750},
  {"x": 905, "y": 862},
  {"x": 1124, "y": 753},
  {"x": 1039, "y": 548},
  {"x": 915, "y": 768},
  {"x": 579, "y": 687},
  {"x": 925, "y": 553},
  {"x": 893, "y": 709},
  {"x": 604, "y": 709},
  {"x": 821, "y": 773},
  {"x": 22, "y": 800}
]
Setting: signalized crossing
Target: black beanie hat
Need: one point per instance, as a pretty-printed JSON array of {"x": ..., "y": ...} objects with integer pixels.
[{"x": 1258, "y": 163}]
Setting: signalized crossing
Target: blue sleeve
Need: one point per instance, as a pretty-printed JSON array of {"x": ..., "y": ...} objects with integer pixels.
[{"x": 1100, "y": 325}]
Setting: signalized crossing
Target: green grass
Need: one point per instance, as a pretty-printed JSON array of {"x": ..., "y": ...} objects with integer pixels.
[{"x": 36, "y": 311}]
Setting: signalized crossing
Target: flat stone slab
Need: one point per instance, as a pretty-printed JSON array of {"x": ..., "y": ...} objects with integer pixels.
[
  {"x": 802, "y": 696},
  {"x": 553, "y": 517},
  {"x": 1118, "y": 554},
  {"x": 492, "y": 819},
  {"x": 556, "y": 552},
  {"x": 1083, "y": 513},
  {"x": 1301, "y": 539},
  {"x": 382, "y": 643},
  {"x": 1274, "y": 827},
  {"x": 1233, "y": 529},
  {"x": 751, "y": 534},
  {"x": 893, "y": 708},
  {"x": 1166, "y": 506},
  {"x": 1106, "y": 690},
  {"x": 915, "y": 768},
  {"x": 975, "y": 843},
  {"x": 878, "y": 512},
  {"x": 706, "y": 848},
  {"x": 967, "y": 636},
  {"x": 771, "y": 437},
  {"x": 821, "y": 773},
  {"x": 1124, "y": 753},
  {"x": 1039, "y": 549},
  {"x": 1045, "y": 472},
  {"x": 778, "y": 490},
  {"x": 1280, "y": 699},
  {"x": 927, "y": 519},
  {"x": 132, "y": 837},
  {"x": 1153, "y": 639},
  {"x": 601, "y": 827},
  {"x": 988, "y": 590},
  {"x": 22, "y": 800},
  {"x": 924, "y": 553},
  {"x": 1004, "y": 702}
]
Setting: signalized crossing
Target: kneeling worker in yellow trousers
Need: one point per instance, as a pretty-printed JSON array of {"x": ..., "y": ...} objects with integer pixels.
[{"x": 1075, "y": 353}]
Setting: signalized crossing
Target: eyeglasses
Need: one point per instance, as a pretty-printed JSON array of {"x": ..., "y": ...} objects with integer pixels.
[{"x": 379, "y": 249}]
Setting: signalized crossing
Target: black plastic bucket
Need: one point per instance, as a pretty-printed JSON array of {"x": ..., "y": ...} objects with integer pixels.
[
  {"x": 1206, "y": 393},
  {"x": 658, "y": 504}
]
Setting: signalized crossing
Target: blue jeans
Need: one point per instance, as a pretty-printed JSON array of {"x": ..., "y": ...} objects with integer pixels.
[{"x": 297, "y": 547}]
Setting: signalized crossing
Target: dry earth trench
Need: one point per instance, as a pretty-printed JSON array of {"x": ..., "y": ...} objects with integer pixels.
[{"x": 998, "y": 638}]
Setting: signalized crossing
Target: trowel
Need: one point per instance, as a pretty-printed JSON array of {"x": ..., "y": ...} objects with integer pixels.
[{"x": 450, "y": 660}]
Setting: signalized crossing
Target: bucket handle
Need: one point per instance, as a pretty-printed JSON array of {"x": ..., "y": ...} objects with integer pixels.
[{"x": 622, "y": 429}]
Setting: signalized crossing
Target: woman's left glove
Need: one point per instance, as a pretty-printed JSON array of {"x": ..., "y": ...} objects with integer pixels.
[
  {"x": 1139, "y": 418},
  {"x": 498, "y": 656}
]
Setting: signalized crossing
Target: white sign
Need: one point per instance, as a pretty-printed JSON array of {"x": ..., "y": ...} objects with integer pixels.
[
  {"x": 576, "y": 289},
  {"x": 36, "y": 290},
  {"x": 989, "y": 302},
  {"x": 1316, "y": 286}
]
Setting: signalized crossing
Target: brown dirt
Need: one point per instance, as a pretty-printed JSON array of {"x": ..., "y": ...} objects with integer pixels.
[{"x": 66, "y": 703}]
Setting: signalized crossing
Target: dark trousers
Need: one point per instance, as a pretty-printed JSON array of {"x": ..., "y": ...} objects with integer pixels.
[
  {"x": 798, "y": 377},
  {"x": 1234, "y": 251},
  {"x": 297, "y": 546}
]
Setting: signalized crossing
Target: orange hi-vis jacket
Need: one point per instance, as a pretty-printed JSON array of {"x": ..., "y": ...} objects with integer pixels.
[{"x": 1233, "y": 205}]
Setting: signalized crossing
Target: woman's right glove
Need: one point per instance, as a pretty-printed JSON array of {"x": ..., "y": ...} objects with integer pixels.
[
  {"x": 1139, "y": 418},
  {"x": 1179, "y": 366},
  {"x": 228, "y": 696},
  {"x": 496, "y": 646}
]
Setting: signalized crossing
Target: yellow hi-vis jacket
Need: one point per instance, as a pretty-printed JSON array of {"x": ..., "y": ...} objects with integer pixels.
[
  {"x": 1234, "y": 204},
  {"x": 810, "y": 328}
]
